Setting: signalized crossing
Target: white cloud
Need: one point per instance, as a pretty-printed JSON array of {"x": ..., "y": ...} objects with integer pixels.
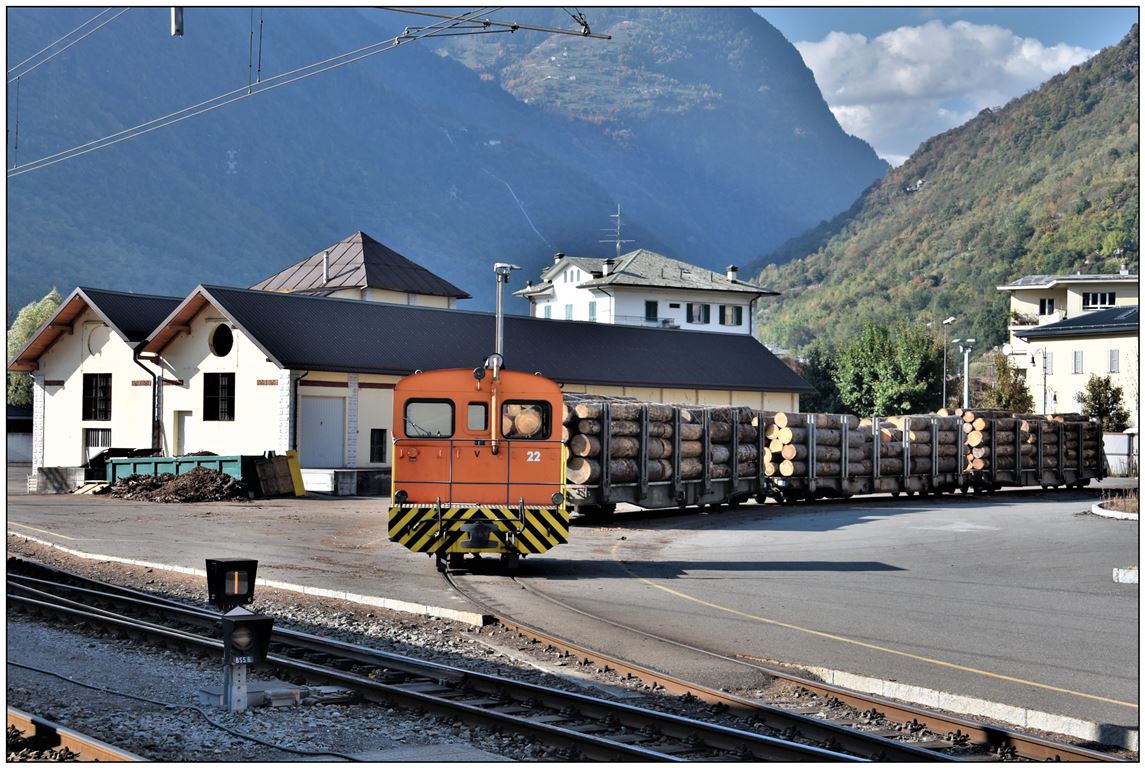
[{"x": 897, "y": 89}]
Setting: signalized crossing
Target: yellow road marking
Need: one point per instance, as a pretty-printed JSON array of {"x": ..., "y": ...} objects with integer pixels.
[
  {"x": 41, "y": 530},
  {"x": 871, "y": 646}
]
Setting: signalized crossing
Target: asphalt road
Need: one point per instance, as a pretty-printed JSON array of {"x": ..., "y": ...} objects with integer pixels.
[{"x": 1008, "y": 599}]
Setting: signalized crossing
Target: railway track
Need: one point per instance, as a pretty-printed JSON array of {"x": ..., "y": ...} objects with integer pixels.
[
  {"x": 578, "y": 726},
  {"x": 941, "y": 735}
]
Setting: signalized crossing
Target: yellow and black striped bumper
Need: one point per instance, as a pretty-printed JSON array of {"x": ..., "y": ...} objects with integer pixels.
[{"x": 460, "y": 528}]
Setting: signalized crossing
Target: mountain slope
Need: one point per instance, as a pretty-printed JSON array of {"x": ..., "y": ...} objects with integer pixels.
[
  {"x": 430, "y": 156},
  {"x": 1047, "y": 184}
]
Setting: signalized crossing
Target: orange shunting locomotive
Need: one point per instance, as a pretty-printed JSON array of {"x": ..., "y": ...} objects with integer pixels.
[{"x": 478, "y": 464}]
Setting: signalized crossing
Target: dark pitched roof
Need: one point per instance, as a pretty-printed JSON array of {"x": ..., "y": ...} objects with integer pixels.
[
  {"x": 647, "y": 269},
  {"x": 317, "y": 333},
  {"x": 1112, "y": 321},
  {"x": 359, "y": 261},
  {"x": 133, "y": 316}
]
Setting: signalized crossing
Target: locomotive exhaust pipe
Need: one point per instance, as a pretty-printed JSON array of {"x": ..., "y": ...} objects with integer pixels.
[
  {"x": 502, "y": 270},
  {"x": 497, "y": 359}
]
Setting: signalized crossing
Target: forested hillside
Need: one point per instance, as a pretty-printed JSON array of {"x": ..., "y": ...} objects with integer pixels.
[{"x": 1049, "y": 183}]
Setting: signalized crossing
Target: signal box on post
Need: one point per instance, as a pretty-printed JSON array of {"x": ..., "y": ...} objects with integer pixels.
[{"x": 230, "y": 582}]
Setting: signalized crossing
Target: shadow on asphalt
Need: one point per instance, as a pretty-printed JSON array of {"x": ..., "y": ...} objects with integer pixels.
[
  {"x": 822, "y": 515},
  {"x": 556, "y": 568}
]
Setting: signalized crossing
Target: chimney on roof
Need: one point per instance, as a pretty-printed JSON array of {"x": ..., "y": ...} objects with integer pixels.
[
  {"x": 557, "y": 257},
  {"x": 325, "y": 266},
  {"x": 1124, "y": 269},
  {"x": 733, "y": 272},
  {"x": 608, "y": 265}
]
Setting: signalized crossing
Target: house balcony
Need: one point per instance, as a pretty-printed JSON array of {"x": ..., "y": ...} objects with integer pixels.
[{"x": 662, "y": 322}]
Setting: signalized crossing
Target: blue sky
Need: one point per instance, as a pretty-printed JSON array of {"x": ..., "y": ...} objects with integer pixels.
[{"x": 897, "y": 76}]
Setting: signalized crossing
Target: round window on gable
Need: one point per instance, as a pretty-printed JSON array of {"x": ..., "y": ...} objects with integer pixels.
[{"x": 222, "y": 340}]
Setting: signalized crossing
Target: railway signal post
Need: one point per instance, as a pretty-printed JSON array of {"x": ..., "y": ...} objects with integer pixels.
[{"x": 246, "y": 635}]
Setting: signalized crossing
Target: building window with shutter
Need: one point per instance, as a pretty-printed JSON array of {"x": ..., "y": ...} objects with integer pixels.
[
  {"x": 1114, "y": 361},
  {"x": 1078, "y": 361},
  {"x": 568, "y": 311},
  {"x": 218, "y": 397},
  {"x": 97, "y": 397},
  {"x": 548, "y": 311},
  {"x": 651, "y": 311},
  {"x": 731, "y": 315},
  {"x": 1049, "y": 364},
  {"x": 378, "y": 446},
  {"x": 699, "y": 314},
  {"x": 592, "y": 310}
]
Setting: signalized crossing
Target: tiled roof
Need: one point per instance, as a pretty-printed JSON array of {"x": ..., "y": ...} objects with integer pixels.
[
  {"x": 1048, "y": 281},
  {"x": 646, "y": 269},
  {"x": 359, "y": 261},
  {"x": 1113, "y": 321},
  {"x": 133, "y": 316},
  {"x": 328, "y": 334}
]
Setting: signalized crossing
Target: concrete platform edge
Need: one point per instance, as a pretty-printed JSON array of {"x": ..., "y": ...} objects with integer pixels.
[
  {"x": 1101, "y": 511},
  {"x": 465, "y": 617},
  {"x": 1102, "y": 733}
]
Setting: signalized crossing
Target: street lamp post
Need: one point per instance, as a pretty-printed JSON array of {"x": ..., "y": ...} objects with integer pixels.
[
  {"x": 945, "y": 323},
  {"x": 1045, "y": 374},
  {"x": 964, "y": 346}
]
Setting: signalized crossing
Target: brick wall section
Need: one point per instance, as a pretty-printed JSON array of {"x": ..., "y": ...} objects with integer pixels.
[
  {"x": 285, "y": 411},
  {"x": 37, "y": 421},
  {"x": 352, "y": 421}
]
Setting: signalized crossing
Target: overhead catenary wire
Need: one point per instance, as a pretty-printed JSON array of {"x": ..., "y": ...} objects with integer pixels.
[
  {"x": 87, "y": 34},
  {"x": 244, "y": 92},
  {"x": 57, "y": 41}
]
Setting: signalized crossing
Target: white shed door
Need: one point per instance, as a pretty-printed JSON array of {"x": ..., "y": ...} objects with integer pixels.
[{"x": 323, "y": 432}]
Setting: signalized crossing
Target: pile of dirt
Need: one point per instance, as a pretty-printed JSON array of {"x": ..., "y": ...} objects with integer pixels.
[{"x": 200, "y": 484}]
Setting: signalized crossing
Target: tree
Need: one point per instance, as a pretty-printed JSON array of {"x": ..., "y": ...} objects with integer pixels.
[
  {"x": 1102, "y": 400},
  {"x": 1009, "y": 392},
  {"x": 818, "y": 369},
  {"x": 27, "y": 322},
  {"x": 882, "y": 372}
]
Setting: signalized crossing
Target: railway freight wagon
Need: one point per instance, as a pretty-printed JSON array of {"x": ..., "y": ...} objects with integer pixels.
[
  {"x": 478, "y": 465},
  {"x": 656, "y": 455}
]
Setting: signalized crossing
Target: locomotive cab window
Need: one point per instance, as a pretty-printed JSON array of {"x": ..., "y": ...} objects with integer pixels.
[
  {"x": 429, "y": 418},
  {"x": 526, "y": 420},
  {"x": 477, "y": 419}
]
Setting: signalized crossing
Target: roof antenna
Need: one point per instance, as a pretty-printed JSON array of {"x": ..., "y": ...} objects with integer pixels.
[{"x": 615, "y": 231}]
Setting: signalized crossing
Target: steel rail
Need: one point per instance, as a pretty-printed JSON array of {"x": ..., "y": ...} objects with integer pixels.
[
  {"x": 994, "y": 737},
  {"x": 596, "y": 715},
  {"x": 45, "y": 734}
]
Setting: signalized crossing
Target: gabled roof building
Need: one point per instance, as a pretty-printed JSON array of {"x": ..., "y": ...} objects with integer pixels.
[
  {"x": 359, "y": 267},
  {"x": 243, "y": 371},
  {"x": 644, "y": 288}
]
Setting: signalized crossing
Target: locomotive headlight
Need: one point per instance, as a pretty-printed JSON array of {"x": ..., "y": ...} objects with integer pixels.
[
  {"x": 400, "y": 497},
  {"x": 558, "y": 498}
]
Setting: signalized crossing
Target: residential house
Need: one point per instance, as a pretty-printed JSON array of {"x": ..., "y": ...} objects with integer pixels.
[
  {"x": 647, "y": 289},
  {"x": 1060, "y": 357},
  {"x": 359, "y": 267},
  {"x": 1037, "y": 300}
]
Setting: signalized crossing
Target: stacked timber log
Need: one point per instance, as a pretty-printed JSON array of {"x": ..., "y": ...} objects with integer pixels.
[
  {"x": 1007, "y": 442},
  {"x": 788, "y": 450},
  {"x": 928, "y": 445},
  {"x": 586, "y": 429}
]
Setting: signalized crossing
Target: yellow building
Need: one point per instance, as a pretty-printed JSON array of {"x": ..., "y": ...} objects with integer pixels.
[
  {"x": 1037, "y": 300},
  {"x": 1060, "y": 357}
]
